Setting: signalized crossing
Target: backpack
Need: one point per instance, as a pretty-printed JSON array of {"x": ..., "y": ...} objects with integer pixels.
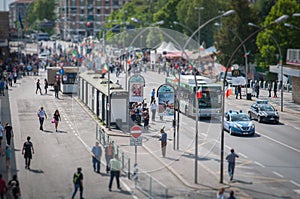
[{"x": 76, "y": 178}]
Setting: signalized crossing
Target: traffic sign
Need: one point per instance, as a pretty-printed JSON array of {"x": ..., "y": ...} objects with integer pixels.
[
  {"x": 136, "y": 131},
  {"x": 136, "y": 141}
]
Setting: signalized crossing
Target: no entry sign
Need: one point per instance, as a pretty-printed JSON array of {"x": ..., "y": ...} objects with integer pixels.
[{"x": 136, "y": 131}]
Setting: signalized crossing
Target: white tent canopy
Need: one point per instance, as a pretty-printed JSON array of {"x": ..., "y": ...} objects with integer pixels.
[{"x": 166, "y": 47}]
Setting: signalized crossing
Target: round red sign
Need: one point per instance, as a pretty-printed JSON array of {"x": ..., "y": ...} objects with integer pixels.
[{"x": 136, "y": 131}]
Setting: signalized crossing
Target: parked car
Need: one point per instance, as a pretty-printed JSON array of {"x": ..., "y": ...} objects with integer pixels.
[
  {"x": 239, "y": 123},
  {"x": 263, "y": 112}
]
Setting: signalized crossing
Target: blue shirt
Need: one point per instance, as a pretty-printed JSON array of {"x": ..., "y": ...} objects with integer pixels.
[
  {"x": 163, "y": 137},
  {"x": 97, "y": 151}
]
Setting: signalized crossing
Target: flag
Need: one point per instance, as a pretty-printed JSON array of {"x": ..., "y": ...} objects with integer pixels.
[
  {"x": 20, "y": 21},
  {"x": 104, "y": 69},
  {"x": 228, "y": 92},
  {"x": 199, "y": 93}
]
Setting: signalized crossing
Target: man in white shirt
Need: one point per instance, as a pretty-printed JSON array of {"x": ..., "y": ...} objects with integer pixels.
[{"x": 42, "y": 115}]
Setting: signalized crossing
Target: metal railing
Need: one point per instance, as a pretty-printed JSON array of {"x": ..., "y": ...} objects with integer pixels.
[
  {"x": 143, "y": 181},
  {"x": 150, "y": 186}
]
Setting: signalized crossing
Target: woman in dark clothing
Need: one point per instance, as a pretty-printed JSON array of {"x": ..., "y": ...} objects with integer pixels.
[
  {"x": 56, "y": 117},
  {"x": 45, "y": 85}
]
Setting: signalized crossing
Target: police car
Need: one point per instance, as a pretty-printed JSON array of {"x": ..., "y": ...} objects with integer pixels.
[
  {"x": 263, "y": 112},
  {"x": 239, "y": 123}
]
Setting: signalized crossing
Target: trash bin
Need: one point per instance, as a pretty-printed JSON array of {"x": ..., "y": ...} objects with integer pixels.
[
  {"x": 119, "y": 123},
  {"x": 249, "y": 96}
]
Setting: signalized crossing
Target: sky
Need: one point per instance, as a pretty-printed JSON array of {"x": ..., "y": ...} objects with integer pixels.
[{"x": 5, "y": 2}]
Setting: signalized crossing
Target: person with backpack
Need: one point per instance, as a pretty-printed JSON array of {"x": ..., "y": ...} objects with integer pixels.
[
  {"x": 27, "y": 151},
  {"x": 78, "y": 183}
]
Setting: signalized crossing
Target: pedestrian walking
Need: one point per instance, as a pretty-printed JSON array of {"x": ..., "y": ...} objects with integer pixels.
[
  {"x": 96, "y": 157},
  {"x": 7, "y": 156},
  {"x": 240, "y": 91},
  {"x": 163, "y": 140},
  {"x": 27, "y": 151},
  {"x": 146, "y": 119},
  {"x": 231, "y": 163},
  {"x": 56, "y": 89},
  {"x": 270, "y": 88},
  {"x": 231, "y": 195},
  {"x": 153, "y": 107},
  {"x": 152, "y": 95},
  {"x": 3, "y": 187},
  {"x": 1, "y": 132},
  {"x": 115, "y": 170},
  {"x": 38, "y": 87},
  {"x": 78, "y": 183},
  {"x": 46, "y": 85},
  {"x": 257, "y": 89},
  {"x": 275, "y": 89},
  {"x": 15, "y": 75},
  {"x": 56, "y": 119},
  {"x": 109, "y": 154},
  {"x": 8, "y": 133},
  {"x": 42, "y": 115},
  {"x": 220, "y": 194},
  {"x": 13, "y": 191},
  {"x": 2, "y": 86}
]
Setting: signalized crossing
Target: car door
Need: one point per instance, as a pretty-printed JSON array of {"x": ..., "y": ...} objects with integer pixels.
[{"x": 226, "y": 122}]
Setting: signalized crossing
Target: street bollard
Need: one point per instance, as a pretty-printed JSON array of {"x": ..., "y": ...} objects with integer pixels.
[{"x": 135, "y": 174}]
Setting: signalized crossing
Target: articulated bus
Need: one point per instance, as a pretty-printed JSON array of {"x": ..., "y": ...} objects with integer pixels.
[{"x": 210, "y": 104}]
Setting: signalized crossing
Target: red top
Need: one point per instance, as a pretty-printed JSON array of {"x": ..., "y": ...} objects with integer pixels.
[{"x": 2, "y": 186}]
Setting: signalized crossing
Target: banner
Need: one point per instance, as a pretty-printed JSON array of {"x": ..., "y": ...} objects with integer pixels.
[
  {"x": 166, "y": 99},
  {"x": 136, "y": 88}
]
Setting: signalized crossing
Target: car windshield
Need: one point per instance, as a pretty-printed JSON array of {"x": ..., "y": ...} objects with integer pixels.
[
  {"x": 239, "y": 117},
  {"x": 266, "y": 108}
]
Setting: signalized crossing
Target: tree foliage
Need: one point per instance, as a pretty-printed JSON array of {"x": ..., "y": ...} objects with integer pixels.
[
  {"x": 285, "y": 37},
  {"x": 234, "y": 29},
  {"x": 40, "y": 10}
]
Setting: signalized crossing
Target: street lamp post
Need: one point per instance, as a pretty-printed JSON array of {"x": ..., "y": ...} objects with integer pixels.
[
  {"x": 278, "y": 20},
  {"x": 197, "y": 108},
  {"x": 199, "y": 20},
  {"x": 292, "y": 26},
  {"x": 280, "y": 64}
]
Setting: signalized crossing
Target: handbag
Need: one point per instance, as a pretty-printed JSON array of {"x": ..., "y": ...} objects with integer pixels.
[{"x": 53, "y": 120}]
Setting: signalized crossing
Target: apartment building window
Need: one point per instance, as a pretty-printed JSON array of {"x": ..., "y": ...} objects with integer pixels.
[
  {"x": 73, "y": 3},
  {"x": 98, "y": 11},
  {"x": 82, "y": 11},
  {"x": 82, "y": 3}
]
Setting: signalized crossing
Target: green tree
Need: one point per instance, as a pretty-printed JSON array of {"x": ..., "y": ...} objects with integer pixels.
[
  {"x": 40, "y": 10},
  {"x": 233, "y": 27},
  {"x": 285, "y": 37}
]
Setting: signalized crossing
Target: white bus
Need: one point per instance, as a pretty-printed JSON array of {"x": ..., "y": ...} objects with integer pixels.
[{"x": 210, "y": 104}]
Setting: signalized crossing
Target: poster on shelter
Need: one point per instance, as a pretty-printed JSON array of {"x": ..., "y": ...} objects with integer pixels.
[
  {"x": 166, "y": 100},
  {"x": 136, "y": 88}
]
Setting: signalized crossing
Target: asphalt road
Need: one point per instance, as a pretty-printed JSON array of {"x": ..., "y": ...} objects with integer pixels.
[{"x": 268, "y": 166}]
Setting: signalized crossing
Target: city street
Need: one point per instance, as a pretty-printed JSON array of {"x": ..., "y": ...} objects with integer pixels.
[{"x": 268, "y": 161}]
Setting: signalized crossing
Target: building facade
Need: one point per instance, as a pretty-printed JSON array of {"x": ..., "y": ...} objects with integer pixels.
[
  {"x": 291, "y": 69},
  {"x": 15, "y": 8},
  {"x": 84, "y": 17},
  {"x": 4, "y": 37}
]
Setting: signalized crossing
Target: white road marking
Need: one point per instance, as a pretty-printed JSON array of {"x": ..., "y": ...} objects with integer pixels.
[
  {"x": 243, "y": 155},
  {"x": 294, "y": 183},
  {"x": 278, "y": 174},
  {"x": 283, "y": 144},
  {"x": 259, "y": 164}
]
